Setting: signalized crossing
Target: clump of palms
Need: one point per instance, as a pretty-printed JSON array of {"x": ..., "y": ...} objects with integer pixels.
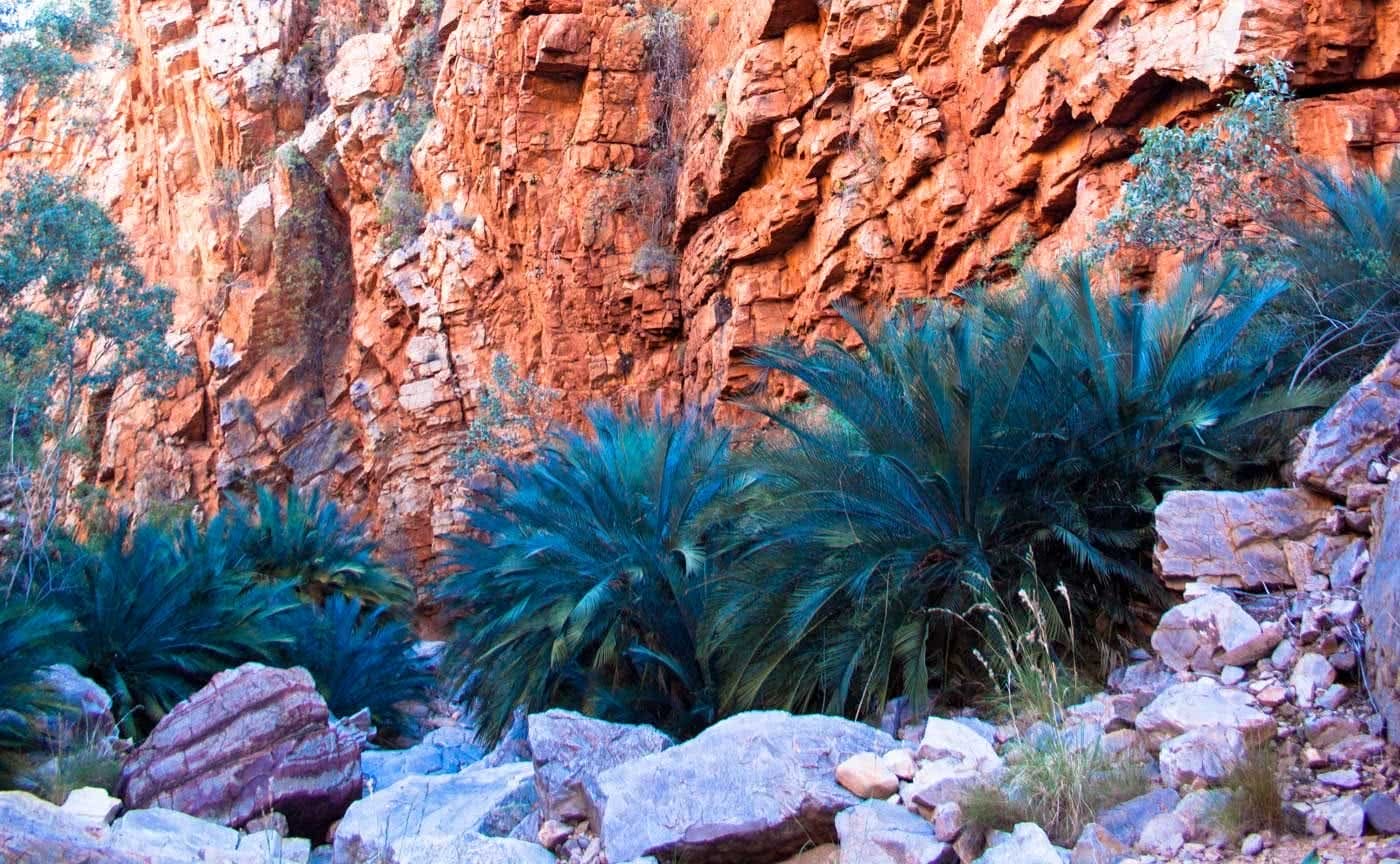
[
  {"x": 32, "y": 635},
  {"x": 360, "y": 657},
  {"x": 310, "y": 542},
  {"x": 1344, "y": 261},
  {"x": 157, "y": 617},
  {"x": 585, "y": 584},
  {"x": 957, "y": 439}
]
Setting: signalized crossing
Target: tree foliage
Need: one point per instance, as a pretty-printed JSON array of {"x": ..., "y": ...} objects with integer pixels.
[{"x": 38, "y": 45}]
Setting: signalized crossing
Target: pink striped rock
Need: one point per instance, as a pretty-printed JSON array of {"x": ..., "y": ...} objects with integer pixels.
[{"x": 253, "y": 740}]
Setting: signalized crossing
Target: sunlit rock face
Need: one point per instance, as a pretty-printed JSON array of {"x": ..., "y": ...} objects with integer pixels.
[{"x": 621, "y": 198}]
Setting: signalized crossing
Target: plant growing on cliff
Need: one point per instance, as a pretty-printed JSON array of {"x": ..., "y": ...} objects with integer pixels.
[
  {"x": 79, "y": 329},
  {"x": 1195, "y": 191},
  {"x": 158, "y": 617},
  {"x": 513, "y": 413},
  {"x": 39, "y": 46},
  {"x": 310, "y": 543},
  {"x": 584, "y": 582},
  {"x": 360, "y": 656}
]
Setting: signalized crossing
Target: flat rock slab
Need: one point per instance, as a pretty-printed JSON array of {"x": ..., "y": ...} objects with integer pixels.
[
  {"x": 570, "y": 751},
  {"x": 478, "y": 800},
  {"x": 756, "y": 787},
  {"x": 1234, "y": 539}
]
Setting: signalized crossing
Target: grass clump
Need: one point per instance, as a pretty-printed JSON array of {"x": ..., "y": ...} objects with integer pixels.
[{"x": 1255, "y": 800}]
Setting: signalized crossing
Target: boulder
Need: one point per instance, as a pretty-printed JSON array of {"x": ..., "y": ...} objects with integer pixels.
[
  {"x": 1233, "y": 539},
  {"x": 1126, "y": 821},
  {"x": 80, "y": 711},
  {"x": 1358, "y": 430},
  {"x": 1163, "y": 835},
  {"x": 945, "y": 739},
  {"x": 442, "y": 751},
  {"x": 1312, "y": 675},
  {"x": 941, "y": 782},
  {"x": 477, "y": 800},
  {"x": 1210, "y": 632},
  {"x": 878, "y": 832},
  {"x": 571, "y": 750},
  {"x": 33, "y": 830},
  {"x": 755, "y": 787},
  {"x": 173, "y": 833},
  {"x": 1097, "y": 846},
  {"x": 463, "y": 848},
  {"x": 251, "y": 741},
  {"x": 1026, "y": 844},
  {"x": 1208, "y": 753},
  {"x": 92, "y": 804},
  {"x": 866, "y": 776},
  {"x": 1200, "y": 704},
  {"x": 1380, "y": 606}
]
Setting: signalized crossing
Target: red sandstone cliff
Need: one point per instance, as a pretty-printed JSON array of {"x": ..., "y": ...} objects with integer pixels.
[{"x": 621, "y": 197}]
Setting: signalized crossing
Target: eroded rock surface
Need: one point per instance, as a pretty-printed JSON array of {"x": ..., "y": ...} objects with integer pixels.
[{"x": 252, "y": 741}]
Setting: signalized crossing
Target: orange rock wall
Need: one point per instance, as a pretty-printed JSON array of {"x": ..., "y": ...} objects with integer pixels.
[{"x": 621, "y": 197}]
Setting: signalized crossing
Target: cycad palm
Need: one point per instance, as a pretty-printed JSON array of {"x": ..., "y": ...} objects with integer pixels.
[
  {"x": 957, "y": 441},
  {"x": 156, "y": 621},
  {"x": 585, "y": 585},
  {"x": 311, "y": 542},
  {"x": 32, "y": 635}
]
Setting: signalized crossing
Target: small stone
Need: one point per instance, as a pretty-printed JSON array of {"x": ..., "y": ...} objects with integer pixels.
[
  {"x": 1272, "y": 696},
  {"x": 1312, "y": 675},
  {"x": 553, "y": 833},
  {"x": 1333, "y": 697},
  {"x": 865, "y": 775},
  {"x": 1343, "y": 661},
  {"x": 1343, "y": 778},
  {"x": 1252, "y": 845},
  {"x": 1163, "y": 835},
  {"x": 1346, "y": 816},
  {"x": 93, "y": 804},
  {"x": 947, "y": 821},
  {"x": 1284, "y": 654},
  {"x": 1231, "y": 675},
  {"x": 1097, "y": 846},
  {"x": 900, "y": 763},
  {"x": 1382, "y": 813}
]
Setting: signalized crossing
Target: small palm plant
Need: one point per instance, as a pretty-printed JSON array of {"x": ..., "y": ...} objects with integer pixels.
[
  {"x": 311, "y": 543},
  {"x": 32, "y": 636},
  {"x": 158, "y": 618},
  {"x": 585, "y": 583},
  {"x": 359, "y": 657}
]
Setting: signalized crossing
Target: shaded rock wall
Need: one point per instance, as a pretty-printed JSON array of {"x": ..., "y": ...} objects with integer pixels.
[{"x": 620, "y": 197}]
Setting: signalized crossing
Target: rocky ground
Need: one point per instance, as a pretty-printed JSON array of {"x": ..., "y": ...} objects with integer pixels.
[{"x": 1284, "y": 643}]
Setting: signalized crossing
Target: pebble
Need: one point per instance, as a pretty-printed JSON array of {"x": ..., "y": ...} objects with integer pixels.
[{"x": 1252, "y": 845}]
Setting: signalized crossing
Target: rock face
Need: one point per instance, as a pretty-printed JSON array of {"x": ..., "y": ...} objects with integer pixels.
[
  {"x": 755, "y": 787},
  {"x": 1360, "y": 429},
  {"x": 809, "y": 151},
  {"x": 571, "y": 750},
  {"x": 253, "y": 740},
  {"x": 1380, "y": 601},
  {"x": 1234, "y": 539}
]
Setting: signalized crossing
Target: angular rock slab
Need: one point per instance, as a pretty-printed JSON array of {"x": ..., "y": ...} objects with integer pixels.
[
  {"x": 878, "y": 832},
  {"x": 32, "y": 829},
  {"x": 1380, "y": 606},
  {"x": 1200, "y": 704},
  {"x": 1359, "y": 429},
  {"x": 1026, "y": 844},
  {"x": 478, "y": 800},
  {"x": 253, "y": 739},
  {"x": 1234, "y": 539},
  {"x": 755, "y": 787},
  {"x": 442, "y": 751},
  {"x": 1208, "y": 753},
  {"x": 1200, "y": 634},
  {"x": 571, "y": 750},
  {"x": 464, "y": 849}
]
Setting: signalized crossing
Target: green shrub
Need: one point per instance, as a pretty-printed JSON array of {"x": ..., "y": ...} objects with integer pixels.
[
  {"x": 360, "y": 658},
  {"x": 585, "y": 585},
  {"x": 32, "y": 636},
  {"x": 312, "y": 544},
  {"x": 157, "y": 619},
  {"x": 956, "y": 441},
  {"x": 38, "y": 47}
]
